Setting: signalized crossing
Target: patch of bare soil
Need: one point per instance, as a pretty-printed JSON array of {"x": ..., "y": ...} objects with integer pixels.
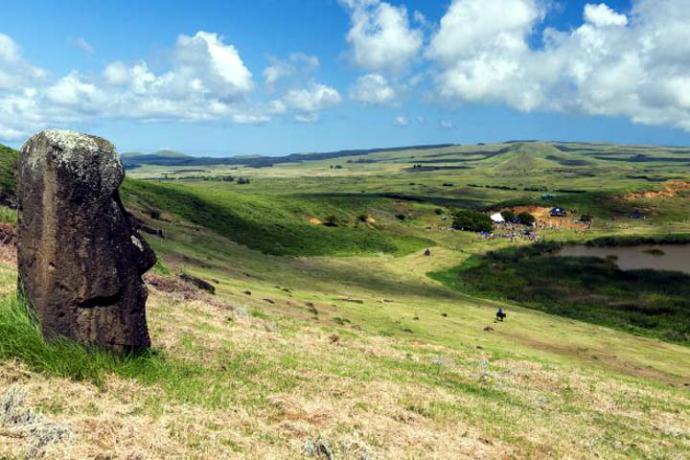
[
  {"x": 8, "y": 244},
  {"x": 314, "y": 220},
  {"x": 670, "y": 190},
  {"x": 545, "y": 220},
  {"x": 180, "y": 289}
]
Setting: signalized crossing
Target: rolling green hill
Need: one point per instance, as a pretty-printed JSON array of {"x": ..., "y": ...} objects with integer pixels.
[{"x": 332, "y": 329}]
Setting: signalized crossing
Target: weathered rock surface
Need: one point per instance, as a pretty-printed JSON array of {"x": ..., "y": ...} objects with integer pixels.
[{"x": 80, "y": 261}]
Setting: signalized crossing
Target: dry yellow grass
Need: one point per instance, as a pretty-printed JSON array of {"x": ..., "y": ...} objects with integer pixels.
[{"x": 368, "y": 396}]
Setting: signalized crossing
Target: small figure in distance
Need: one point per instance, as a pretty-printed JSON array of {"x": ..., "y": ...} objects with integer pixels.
[
  {"x": 500, "y": 314},
  {"x": 427, "y": 252}
]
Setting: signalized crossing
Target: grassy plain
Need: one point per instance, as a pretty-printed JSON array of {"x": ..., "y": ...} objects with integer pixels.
[{"x": 336, "y": 337}]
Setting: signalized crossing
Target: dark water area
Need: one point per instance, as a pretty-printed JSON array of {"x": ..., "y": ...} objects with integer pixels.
[{"x": 669, "y": 257}]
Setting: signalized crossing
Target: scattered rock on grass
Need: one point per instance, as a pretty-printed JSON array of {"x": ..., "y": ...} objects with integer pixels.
[
  {"x": 28, "y": 424},
  {"x": 319, "y": 448}
]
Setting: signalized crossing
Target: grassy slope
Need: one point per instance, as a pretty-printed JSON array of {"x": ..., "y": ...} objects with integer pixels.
[
  {"x": 273, "y": 224},
  {"x": 590, "y": 289},
  {"x": 8, "y": 164},
  {"x": 365, "y": 351}
]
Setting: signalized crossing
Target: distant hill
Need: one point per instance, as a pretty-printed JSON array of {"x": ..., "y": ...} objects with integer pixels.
[
  {"x": 171, "y": 158},
  {"x": 159, "y": 153}
]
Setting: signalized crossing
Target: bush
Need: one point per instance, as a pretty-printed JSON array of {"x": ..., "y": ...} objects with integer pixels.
[
  {"x": 526, "y": 218},
  {"x": 471, "y": 221},
  {"x": 438, "y": 211},
  {"x": 508, "y": 215}
]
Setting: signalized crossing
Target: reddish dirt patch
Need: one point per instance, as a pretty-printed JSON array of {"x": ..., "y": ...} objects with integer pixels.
[
  {"x": 671, "y": 189},
  {"x": 8, "y": 244},
  {"x": 544, "y": 219}
]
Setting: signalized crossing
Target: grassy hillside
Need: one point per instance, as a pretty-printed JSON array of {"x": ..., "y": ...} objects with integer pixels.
[
  {"x": 348, "y": 339},
  {"x": 276, "y": 225},
  {"x": 646, "y": 302},
  {"x": 8, "y": 166}
]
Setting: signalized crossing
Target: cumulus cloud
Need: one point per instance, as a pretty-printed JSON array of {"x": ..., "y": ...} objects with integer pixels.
[
  {"x": 14, "y": 69},
  {"x": 601, "y": 15},
  {"x": 311, "y": 100},
  {"x": 380, "y": 36},
  {"x": 296, "y": 63},
  {"x": 636, "y": 66},
  {"x": 373, "y": 89},
  {"x": 206, "y": 80}
]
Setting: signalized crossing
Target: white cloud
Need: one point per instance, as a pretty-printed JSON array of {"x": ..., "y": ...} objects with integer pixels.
[
  {"x": 373, "y": 89},
  {"x": 401, "y": 120},
  {"x": 601, "y": 15},
  {"x": 314, "y": 98},
  {"x": 635, "y": 66},
  {"x": 72, "y": 90},
  {"x": 206, "y": 80},
  {"x": 83, "y": 45},
  {"x": 380, "y": 35},
  {"x": 446, "y": 124},
  {"x": 206, "y": 61},
  {"x": 14, "y": 70},
  {"x": 296, "y": 63}
]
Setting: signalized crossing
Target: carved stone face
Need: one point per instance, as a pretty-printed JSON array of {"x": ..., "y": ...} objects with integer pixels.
[{"x": 80, "y": 260}]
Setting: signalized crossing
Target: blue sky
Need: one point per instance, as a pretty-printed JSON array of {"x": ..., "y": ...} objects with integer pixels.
[{"x": 194, "y": 76}]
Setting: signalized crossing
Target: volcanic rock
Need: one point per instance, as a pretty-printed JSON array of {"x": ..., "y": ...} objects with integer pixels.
[{"x": 79, "y": 260}]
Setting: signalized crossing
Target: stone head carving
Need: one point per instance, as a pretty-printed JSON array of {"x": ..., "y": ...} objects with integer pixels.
[{"x": 80, "y": 260}]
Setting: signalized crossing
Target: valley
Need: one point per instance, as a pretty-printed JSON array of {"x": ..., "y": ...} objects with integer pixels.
[{"x": 331, "y": 326}]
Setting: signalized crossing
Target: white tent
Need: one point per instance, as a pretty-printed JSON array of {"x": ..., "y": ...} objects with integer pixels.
[{"x": 497, "y": 218}]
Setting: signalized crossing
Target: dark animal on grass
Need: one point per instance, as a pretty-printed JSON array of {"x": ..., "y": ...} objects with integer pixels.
[{"x": 500, "y": 314}]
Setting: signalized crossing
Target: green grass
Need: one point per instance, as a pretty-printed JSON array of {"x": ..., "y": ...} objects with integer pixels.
[
  {"x": 8, "y": 167},
  {"x": 648, "y": 302},
  {"x": 20, "y": 338},
  {"x": 185, "y": 381},
  {"x": 272, "y": 224},
  {"x": 8, "y": 215}
]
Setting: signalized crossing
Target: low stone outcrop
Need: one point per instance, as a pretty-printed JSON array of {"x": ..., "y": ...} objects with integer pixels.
[{"x": 80, "y": 261}]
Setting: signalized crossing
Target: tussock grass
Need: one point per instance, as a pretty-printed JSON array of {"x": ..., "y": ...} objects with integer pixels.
[
  {"x": 7, "y": 215},
  {"x": 20, "y": 338}
]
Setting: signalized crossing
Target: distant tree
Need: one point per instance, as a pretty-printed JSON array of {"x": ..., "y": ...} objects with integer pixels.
[
  {"x": 508, "y": 215},
  {"x": 438, "y": 211},
  {"x": 526, "y": 218},
  {"x": 400, "y": 216},
  {"x": 243, "y": 180},
  {"x": 471, "y": 221},
  {"x": 586, "y": 218}
]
